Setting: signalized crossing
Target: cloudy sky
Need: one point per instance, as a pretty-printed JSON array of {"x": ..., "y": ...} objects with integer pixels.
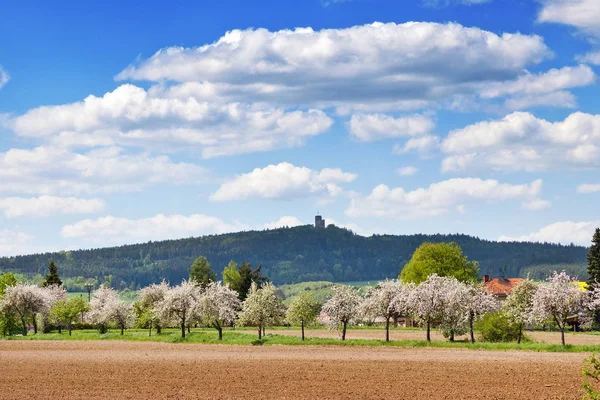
[{"x": 127, "y": 123}]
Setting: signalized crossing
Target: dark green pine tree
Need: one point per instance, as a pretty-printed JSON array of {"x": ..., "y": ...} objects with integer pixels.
[
  {"x": 52, "y": 278},
  {"x": 593, "y": 259},
  {"x": 201, "y": 272}
]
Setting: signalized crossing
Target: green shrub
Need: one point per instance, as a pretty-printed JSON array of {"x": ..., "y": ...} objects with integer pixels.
[
  {"x": 258, "y": 342},
  {"x": 591, "y": 375},
  {"x": 79, "y": 326},
  {"x": 497, "y": 327}
]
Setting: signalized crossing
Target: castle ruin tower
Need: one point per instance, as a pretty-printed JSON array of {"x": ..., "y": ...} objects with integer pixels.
[{"x": 319, "y": 222}]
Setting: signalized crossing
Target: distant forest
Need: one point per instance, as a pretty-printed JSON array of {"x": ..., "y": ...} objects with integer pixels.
[{"x": 291, "y": 255}]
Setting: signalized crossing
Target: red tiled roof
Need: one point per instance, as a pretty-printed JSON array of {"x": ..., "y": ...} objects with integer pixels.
[{"x": 501, "y": 285}]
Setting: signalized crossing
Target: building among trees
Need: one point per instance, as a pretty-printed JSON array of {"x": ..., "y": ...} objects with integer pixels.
[{"x": 319, "y": 222}]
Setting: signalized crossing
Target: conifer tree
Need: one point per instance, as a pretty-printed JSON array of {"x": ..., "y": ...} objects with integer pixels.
[
  {"x": 201, "y": 272},
  {"x": 52, "y": 278},
  {"x": 593, "y": 259}
]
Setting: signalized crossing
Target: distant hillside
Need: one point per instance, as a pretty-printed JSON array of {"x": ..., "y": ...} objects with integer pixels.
[{"x": 289, "y": 255}]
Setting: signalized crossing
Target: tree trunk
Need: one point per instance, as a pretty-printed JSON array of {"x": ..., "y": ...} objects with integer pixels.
[
  {"x": 59, "y": 329},
  {"x": 259, "y": 332},
  {"x": 34, "y": 325},
  {"x": 387, "y": 329},
  {"x": 189, "y": 329},
  {"x": 428, "y": 329},
  {"x": 158, "y": 329},
  {"x": 70, "y": 329},
  {"x": 562, "y": 334},
  {"x": 344, "y": 331},
  {"x": 24, "y": 326},
  {"x": 264, "y": 328},
  {"x": 220, "y": 332},
  {"x": 183, "y": 328},
  {"x": 471, "y": 330},
  {"x": 302, "y": 330},
  {"x": 452, "y": 336},
  {"x": 520, "y": 334},
  {"x": 122, "y": 331}
]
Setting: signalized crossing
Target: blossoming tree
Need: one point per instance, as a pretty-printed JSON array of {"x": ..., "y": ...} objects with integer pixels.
[
  {"x": 25, "y": 301},
  {"x": 379, "y": 302},
  {"x": 261, "y": 308},
  {"x": 217, "y": 305},
  {"x": 557, "y": 301},
  {"x": 342, "y": 307},
  {"x": 148, "y": 299},
  {"x": 179, "y": 304}
]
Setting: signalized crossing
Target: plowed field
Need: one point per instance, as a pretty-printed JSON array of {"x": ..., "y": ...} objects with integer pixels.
[{"x": 131, "y": 370}]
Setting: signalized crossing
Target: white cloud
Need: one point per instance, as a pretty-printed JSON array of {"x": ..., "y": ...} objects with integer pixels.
[
  {"x": 520, "y": 141},
  {"x": 535, "y": 205},
  {"x": 582, "y": 14},
  {"x": 544, "y": 89},
  {"x": 286, "y": 221},
  {"x": 588, "y": 188},
  {"x": 547, "y": 82},
  {"x": 54, "y": 170},
  {"x": 407, "y": 171},
  {"x": 111, "y": 229},
  {"x": 129, "y": 116},
  {"x": 565, "y": 232},
  {"x": 438, "y": 198},
  {"x": 13, "y": 243},
  {"x": 592, "y": 57},
  {"x": 4, "y": 77},
  {"x": 284, "y": 181},
  {"x": 370, "y": 127},
  {"x": 369, "y": 64},
  {"x": 424, "y": 145},
  {"x": 46, "y": 206}
]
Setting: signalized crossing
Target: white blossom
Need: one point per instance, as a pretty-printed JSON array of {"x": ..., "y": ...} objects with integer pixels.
[
  {"x": 25, "y": 300},
  {"x": 106, "y": 307},
  {"x": 261, "y": 308},
  {"x": 217, "y": 305},
  {"x": 342, "y": 307},
  {"x": 558, "y": 300},
  {"x": 178, "y": 304},
  {"x": 383, "y": 301}
]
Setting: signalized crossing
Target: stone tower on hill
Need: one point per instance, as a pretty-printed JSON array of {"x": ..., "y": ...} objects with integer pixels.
[{"x": 319, "y": 222}]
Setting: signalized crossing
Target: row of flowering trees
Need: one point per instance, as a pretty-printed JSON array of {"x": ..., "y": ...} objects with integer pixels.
[{"x": 452, "y": 305}]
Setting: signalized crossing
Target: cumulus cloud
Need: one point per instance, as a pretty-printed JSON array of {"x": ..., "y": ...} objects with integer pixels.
[
  {"x": 543, "y": 89},
  {"x": 520, "y": 141},
  {"x": 129, "y": 116},
  {"x": 438, "y": 198},
  {"x": 369, "y": 64},
  {"x": 283, "y": 181},
  {"x": 370, "y": 127},
  {"x": 4, "y": 77},
  {"x": 46, "y": 206},
  {"x": 565, "y": 232},
  {"x": 111, "y": 229},
  {"x": 592, "y": 57},
  {"x": 407, "y": 171},
  {"x": 581, "y": 14},
  {"x": 55, "y": 170},
  {"x": 285, "y": 221},
  {"x": 13, "y": 243}
]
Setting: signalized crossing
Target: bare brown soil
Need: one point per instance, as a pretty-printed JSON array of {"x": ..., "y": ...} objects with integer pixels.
[
  {"x": 546, "y": 337},
  {"x": 132, "y": 370}
]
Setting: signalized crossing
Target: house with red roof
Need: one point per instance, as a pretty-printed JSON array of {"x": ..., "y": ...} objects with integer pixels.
[{"x": 500, "y": 287}]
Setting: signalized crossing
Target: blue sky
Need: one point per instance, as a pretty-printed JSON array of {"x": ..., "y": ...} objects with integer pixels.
[{"x": 123, "y": 122}]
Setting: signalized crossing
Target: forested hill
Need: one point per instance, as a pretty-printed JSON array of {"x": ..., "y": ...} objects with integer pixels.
[{"x": 288, "y": 255}]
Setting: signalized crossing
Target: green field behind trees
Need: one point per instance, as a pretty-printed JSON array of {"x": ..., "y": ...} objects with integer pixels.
[{"x": 289, "y": 256}]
